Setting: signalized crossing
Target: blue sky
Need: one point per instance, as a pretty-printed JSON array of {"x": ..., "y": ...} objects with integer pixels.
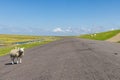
[{"x": 58, "y": 17}]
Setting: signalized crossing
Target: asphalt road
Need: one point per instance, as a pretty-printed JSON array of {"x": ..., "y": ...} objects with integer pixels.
[{"x": 67, "y": 59}]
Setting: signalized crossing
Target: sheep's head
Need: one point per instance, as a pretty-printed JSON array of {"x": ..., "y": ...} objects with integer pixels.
[{"x": 21, "y": 49}]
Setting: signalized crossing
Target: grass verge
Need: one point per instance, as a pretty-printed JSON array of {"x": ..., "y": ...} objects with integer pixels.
[
  {"x": 6, "y": 50},
  {"x": 101, "y": 36}
]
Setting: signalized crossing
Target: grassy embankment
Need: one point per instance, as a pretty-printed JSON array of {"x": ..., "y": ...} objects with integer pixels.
[
  {"x": 100, "y": 36},
  {"x": 8, "y": 40}
]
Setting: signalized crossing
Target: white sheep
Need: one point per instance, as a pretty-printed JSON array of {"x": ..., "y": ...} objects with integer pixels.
[
  {"x": 93, "y": 35},
  {"x": 17, "y": 53}
]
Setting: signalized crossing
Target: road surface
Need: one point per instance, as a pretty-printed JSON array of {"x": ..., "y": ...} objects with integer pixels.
[{"x": 67, "y": 59}]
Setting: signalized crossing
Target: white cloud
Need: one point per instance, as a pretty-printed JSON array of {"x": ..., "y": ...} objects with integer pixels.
[
  {"x": 113, "y": 29},
  {"x": 66, "y": 30},
  {"x": 69, "y": 29},
  {"x": 58, "y": 30}
]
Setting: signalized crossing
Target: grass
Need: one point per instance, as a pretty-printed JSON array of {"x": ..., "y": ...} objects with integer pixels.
[
  {"x": 6, "y": 39},
  {"x": 7, "y": 49},
  {"x": 9, "y": 39},
  {"x": 101, "y": 36}
]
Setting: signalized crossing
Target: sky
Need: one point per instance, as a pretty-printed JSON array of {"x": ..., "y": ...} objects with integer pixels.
[{"x": 58, "y": 17}]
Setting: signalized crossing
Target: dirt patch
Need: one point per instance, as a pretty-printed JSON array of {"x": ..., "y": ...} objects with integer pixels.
[{"x": 115, "y": 38}]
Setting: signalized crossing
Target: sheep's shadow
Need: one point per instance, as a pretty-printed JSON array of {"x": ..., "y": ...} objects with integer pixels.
[{"x": 10, "y": 63}]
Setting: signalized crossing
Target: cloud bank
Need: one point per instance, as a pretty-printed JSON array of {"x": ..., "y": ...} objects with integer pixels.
[{"x": 58, "y": 31}]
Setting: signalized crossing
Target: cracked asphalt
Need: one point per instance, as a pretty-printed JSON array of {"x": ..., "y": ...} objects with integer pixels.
[{"x": 66, "y": 59}]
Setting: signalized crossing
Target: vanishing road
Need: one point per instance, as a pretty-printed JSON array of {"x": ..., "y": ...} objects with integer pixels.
[{"x": 67, "y": 59}]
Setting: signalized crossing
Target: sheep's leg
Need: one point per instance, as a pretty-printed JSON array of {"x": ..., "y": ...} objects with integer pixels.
[
  {"x": 12, "y": 58},
  {"x": 20, "y": 60},
  {"x": 17, "y": 60}
]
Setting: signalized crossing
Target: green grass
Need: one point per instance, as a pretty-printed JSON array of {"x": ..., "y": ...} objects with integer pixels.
[
  {"x": 9, "y": 39},
  {"x": 6, "y": 50},
  {"x": 101, "y": 36},
  {"x": 6, "y": 39}
]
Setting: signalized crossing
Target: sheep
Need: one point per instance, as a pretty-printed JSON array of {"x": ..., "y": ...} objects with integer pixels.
[
  {"x": 17, "y": 53},
  {"x": 93, "y": 35}
]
